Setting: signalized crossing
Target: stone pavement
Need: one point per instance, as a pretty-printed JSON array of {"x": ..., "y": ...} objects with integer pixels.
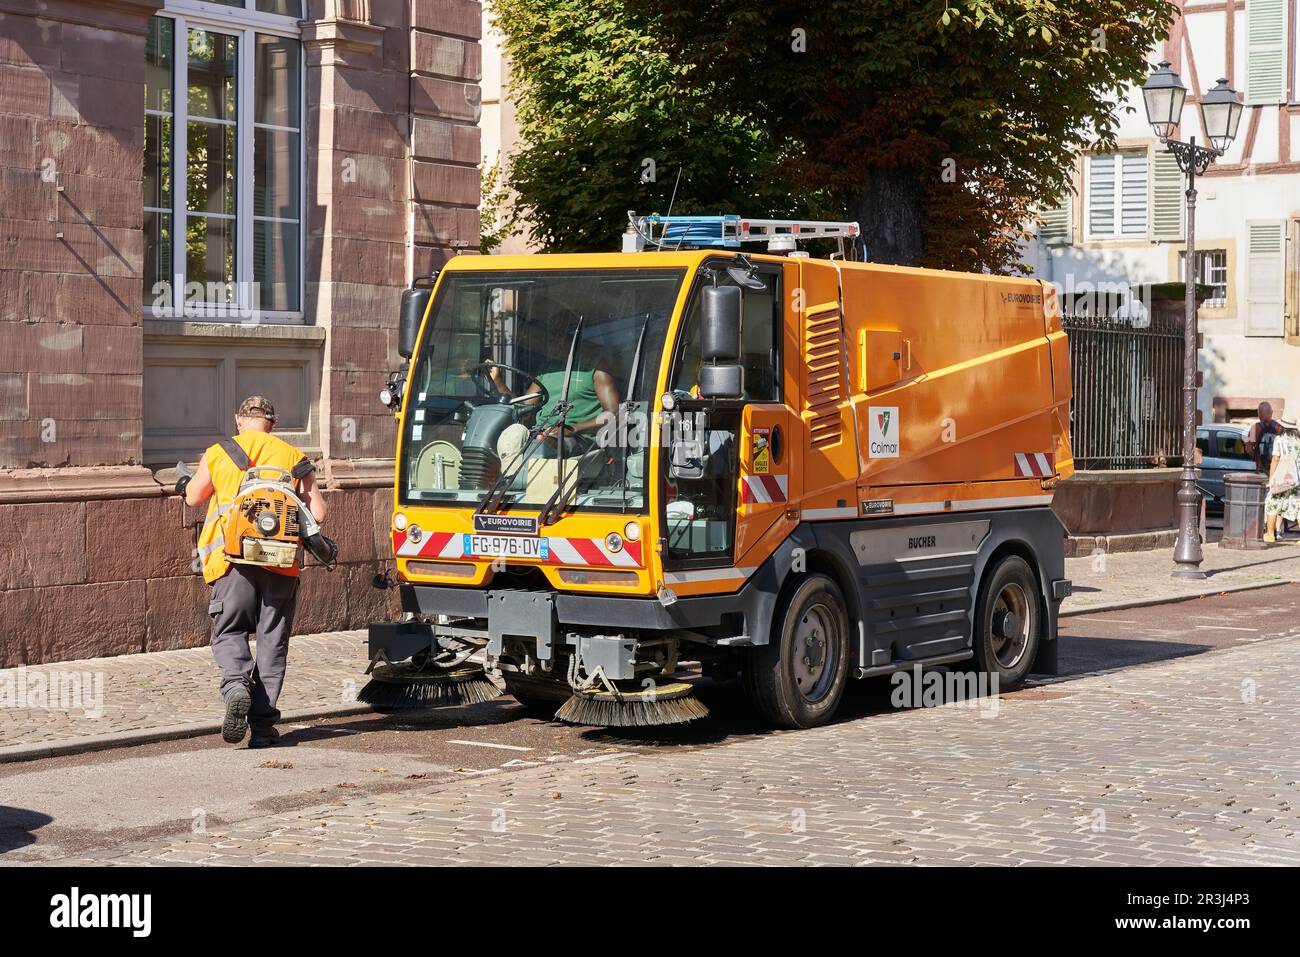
[
  {"x": 1191, "y": 761},
  {"x": 174, "y": 693},
  {"x": 135, "y": 694},
  {"x": 1107, "y": 580}
]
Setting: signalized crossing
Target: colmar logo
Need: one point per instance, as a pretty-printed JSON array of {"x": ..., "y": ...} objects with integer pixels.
[{"x": 883, "y": 439}]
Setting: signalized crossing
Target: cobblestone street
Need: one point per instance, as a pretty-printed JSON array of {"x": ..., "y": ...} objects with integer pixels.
[
  {"x": 175, "y": 689},
  {"x": 1191, "y": 761}
]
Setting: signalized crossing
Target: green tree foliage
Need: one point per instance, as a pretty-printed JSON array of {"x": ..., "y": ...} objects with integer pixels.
[
  {"x": 939, "y": 124},
  {"x": 609, "y": 122}
]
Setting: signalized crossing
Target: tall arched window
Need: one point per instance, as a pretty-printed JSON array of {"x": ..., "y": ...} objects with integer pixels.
[{"x": 223, "y": 161}]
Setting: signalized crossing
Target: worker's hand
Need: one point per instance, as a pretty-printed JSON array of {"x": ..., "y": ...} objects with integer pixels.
[
  {"x": 494, "y": 372},
  {"x": 181, "y": 482},
  {"x": 553, "y": 433}
]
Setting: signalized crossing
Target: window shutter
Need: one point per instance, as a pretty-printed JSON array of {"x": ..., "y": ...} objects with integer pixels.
[
  {"x": 1055, "y": 227},
  {"x": 1167, "y": 216},
  {"x": 1101, "y": 195},
  {"x": 1133, "y": 192},
  {"x": 1265, "y": 242},
  {"x": 1265, "y": 50}
]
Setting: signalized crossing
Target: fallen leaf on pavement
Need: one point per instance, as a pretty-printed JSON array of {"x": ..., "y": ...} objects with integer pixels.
[{"x": 275, "y": 763}]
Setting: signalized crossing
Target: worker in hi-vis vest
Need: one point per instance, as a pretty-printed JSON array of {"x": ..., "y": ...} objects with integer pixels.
[{"x": 248, "y": 598}]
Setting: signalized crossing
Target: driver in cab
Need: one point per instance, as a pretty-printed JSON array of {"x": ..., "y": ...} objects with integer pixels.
[{"x": 592, "y": 391}]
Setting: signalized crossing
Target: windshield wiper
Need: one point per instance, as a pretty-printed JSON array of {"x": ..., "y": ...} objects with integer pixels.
[
  {"x": 562, "y": 408},
  {"x": 629, "y": 406},
  {"x": 494, "y": 497}
]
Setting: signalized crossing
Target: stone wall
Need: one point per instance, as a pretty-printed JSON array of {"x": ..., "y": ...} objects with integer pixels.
[
  {"x": 1118, "y": 510},
  {"x": 87, "y": 578},
  {"x": 71, "y": 241}
]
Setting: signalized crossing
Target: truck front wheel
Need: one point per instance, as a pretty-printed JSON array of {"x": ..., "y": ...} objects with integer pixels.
[
  {"x": 797, "y": 679},
  {"x": 1008, "y": 622}
]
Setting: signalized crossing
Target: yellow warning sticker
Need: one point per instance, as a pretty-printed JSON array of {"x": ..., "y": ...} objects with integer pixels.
[{"x": 762, "y": 451}]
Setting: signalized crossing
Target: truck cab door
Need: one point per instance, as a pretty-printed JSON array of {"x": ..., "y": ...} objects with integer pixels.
[
  {"x": 768, "y": 476},
  {"x": 713, "y": 519}
]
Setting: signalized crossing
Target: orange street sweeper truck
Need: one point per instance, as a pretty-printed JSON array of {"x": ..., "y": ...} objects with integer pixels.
[{"x": 618, "y": 472}]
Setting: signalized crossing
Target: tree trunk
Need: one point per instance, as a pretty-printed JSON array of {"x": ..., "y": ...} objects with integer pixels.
[{"x": 889, "y": 212}]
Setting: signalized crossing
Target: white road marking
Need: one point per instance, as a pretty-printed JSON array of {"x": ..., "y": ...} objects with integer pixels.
[
  {"x": 603, "y": 758},
  {"x": 1224, "y": 628},
  {"x": 1112, "y": 621},
  {"x": 489, "y": 744}
]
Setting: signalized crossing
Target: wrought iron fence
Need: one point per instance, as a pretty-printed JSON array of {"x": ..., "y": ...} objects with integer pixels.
[{"x": 1127, "y": 408}]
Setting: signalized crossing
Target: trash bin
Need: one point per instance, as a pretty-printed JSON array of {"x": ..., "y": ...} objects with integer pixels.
[{"x": 1243, "y": 509}]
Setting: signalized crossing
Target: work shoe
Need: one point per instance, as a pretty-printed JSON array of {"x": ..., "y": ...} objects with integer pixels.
[
  {"x": 264, "y": 737},
  {"x": 235, "y": 726}
]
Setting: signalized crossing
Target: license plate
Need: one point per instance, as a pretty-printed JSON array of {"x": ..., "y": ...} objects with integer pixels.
[{"x": 506, "y": 546}]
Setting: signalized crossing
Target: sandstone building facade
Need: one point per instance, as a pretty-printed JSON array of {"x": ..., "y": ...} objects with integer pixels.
[{"x": 204, "y": 199}]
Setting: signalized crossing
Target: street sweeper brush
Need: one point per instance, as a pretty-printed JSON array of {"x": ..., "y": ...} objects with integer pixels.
[
  {"x": 416, "y": 685},
  {"x": 673, "y": 703}
]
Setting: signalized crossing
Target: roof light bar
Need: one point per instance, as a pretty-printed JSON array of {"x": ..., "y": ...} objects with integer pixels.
[{"x": 730, "y": 231}]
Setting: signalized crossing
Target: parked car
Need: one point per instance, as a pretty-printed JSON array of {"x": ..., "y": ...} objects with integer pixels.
[{"x": 1223, "y": 450}]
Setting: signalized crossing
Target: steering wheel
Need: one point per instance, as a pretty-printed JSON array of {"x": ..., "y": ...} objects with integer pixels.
[{"x": 484, "y": 383}]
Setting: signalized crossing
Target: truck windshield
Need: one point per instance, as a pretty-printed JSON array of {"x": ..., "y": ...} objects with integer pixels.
[{"x": 487, "y": 406}]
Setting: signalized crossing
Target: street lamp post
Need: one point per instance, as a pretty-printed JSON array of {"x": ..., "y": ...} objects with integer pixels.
[{"x": 1164, "y": 94}]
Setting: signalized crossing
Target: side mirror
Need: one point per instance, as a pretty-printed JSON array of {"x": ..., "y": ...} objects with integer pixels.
[
  {"x": 414, "y": 302},
  {"x": 720, "y": 324},
  {"x": 721, "y": 375}
]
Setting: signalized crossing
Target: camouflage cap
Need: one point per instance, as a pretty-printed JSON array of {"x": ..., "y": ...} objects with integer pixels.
[{"x": 256, "y": 407}]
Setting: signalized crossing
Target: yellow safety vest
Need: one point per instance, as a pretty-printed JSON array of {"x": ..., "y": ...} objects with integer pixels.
[{"x": 262, "y": 448}]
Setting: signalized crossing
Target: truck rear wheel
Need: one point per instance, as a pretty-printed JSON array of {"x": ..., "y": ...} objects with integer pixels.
[
  {"x": 1008, "y": 622},
  {"x": 798, "y": 678}
]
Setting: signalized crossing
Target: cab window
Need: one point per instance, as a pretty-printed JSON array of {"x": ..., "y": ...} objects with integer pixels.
[{"x": 759, "y": 342}]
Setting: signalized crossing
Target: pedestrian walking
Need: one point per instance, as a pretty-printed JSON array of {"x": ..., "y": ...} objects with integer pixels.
[
  {"x": 1263, "y": 434},
  {"x": 1283, "y": 501},
  {"x": 247, "y": 598}
]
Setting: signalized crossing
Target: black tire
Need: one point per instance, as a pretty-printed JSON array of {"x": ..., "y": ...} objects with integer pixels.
[
  {"x": 788, "y": 687},
  {"x": 1008, "y": 622}
]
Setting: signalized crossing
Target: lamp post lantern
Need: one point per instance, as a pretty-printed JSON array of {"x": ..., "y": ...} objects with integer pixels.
[{"x": 1221, "y": 108}]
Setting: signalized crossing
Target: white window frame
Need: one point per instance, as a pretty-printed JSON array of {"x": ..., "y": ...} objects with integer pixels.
[
  {"x": 244, "y": 24},
  {"x": 1117, "y": 158},
  {"x": 1205, "y": 256}
]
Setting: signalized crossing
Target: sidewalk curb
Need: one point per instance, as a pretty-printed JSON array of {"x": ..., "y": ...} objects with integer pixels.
[
  {"x": 1171, "y": 600},
  {"x": 175, "y": 732}
]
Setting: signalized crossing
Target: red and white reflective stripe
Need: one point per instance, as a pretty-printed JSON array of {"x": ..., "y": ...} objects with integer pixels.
[
  {"x": 1035, "y": 464},
  {"x": 561, "y": 551},
  {"x": 765, "y": 488},
  {"x": 430, "y": 545},
  {"x": 592, "y": 551}
]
